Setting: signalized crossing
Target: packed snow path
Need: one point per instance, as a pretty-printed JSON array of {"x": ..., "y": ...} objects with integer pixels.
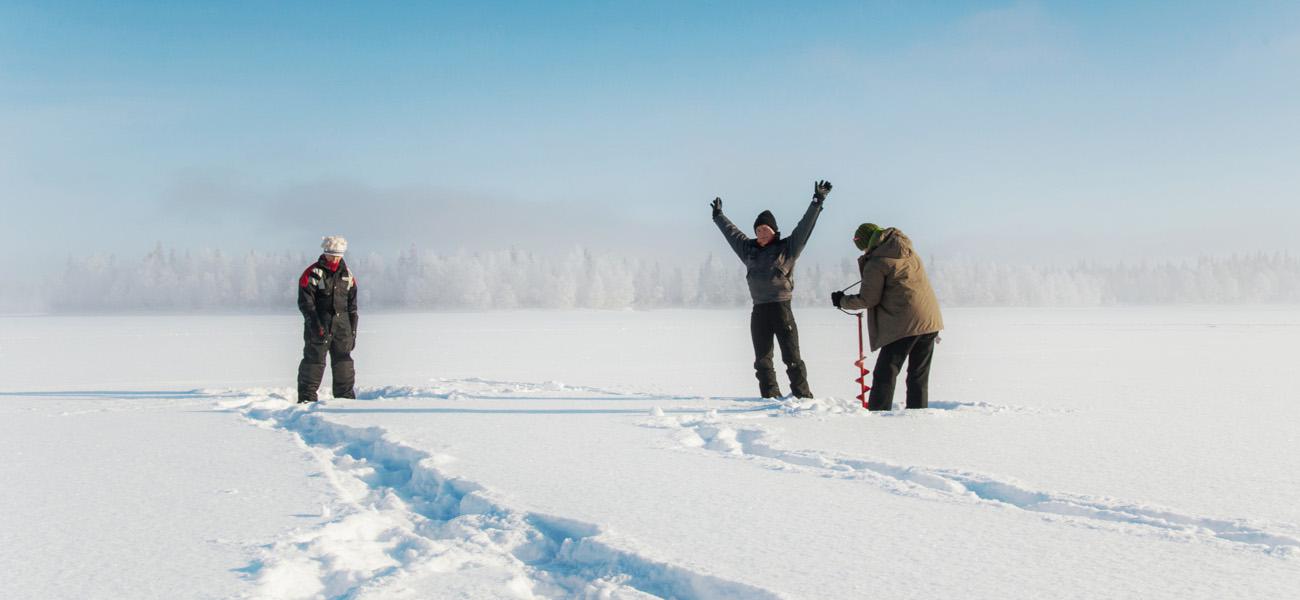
[
  {"x": 403, "y": 525},
  {"x": 407, "y": 521},
  {"x": 752, "y": 441}
]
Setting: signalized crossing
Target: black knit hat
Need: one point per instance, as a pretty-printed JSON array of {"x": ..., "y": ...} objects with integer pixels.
[{"x": 766, "y": 218}]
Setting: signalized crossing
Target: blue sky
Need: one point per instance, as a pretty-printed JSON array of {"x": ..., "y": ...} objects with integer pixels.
[{"x": 1015, "y": 131}]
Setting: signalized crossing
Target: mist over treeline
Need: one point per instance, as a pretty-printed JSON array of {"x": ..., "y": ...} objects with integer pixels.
[{"x": 169, "y": 279}]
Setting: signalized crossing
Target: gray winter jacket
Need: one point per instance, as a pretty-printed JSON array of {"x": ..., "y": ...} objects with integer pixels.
[{"x": 769, "y": 270}]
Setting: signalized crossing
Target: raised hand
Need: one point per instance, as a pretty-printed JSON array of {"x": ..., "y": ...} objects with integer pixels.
[
  {"x": 717, "y": 206},
  {"x": 820, "y": 190}
]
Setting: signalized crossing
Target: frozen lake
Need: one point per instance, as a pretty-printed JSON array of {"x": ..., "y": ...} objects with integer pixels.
[{"x": 1135, "y": 452}]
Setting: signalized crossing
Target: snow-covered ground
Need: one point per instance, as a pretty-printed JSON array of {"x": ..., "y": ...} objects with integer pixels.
[{"x": 1138, "y": 453}]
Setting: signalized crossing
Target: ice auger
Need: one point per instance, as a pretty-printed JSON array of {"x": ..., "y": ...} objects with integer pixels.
[{"x": 861, "y": 363}]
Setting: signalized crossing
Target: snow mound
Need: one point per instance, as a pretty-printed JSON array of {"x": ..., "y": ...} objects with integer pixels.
[{"x": 798, "y": 407}]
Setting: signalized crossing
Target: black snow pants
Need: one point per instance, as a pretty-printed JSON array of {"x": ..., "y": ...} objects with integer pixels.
[
  {"x": 338, "y": 341},
  {"x": 917, "y": 350},
  {"x": 776, "y": 319}
]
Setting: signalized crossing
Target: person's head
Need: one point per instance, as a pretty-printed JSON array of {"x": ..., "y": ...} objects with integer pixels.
[
  {"x": 867, "y": 236},
  {"x": 334, "y": 247},
  {"x": 765, "y": 229}
]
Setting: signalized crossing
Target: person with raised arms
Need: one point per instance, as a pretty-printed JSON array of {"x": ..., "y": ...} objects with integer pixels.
[{"x": 769, "y": 270}]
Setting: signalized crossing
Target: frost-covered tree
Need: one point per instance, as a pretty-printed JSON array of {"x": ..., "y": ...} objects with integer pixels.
[{"x": 168, "y": 279}]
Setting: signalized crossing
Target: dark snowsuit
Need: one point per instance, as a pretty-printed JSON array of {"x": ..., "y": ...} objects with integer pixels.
[
  {"x": 918, "y": 352},
  {"x": 328, "y": 302},
  {"x": 769, "y": 271}
]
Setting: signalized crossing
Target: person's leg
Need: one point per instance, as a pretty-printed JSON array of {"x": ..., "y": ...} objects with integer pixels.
[
  {"x": 787, "y": 336},
  {"x": 918, "y": 371},
  {"x": 761, "y": 331},
  {"x": 341, "y": 367},
  {"x": 888, "y": 364},
  {"x": 312, "y": 367}
]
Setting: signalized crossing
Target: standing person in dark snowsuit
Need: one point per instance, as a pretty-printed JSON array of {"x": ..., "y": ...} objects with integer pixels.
[
  {"x": 769, "y": 271},
  {"x": 903, "y": 316},
  {"x": 327, "y": 297}
]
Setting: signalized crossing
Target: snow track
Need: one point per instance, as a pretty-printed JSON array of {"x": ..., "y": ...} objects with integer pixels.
[
  {"x": 755, "y": 442},
  {"x": 1070, "y": 454},
  {"x": 401, "y": 527}
]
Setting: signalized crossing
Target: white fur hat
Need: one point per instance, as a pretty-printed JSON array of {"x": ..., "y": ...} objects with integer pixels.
[{"x": 334, "y": 245}]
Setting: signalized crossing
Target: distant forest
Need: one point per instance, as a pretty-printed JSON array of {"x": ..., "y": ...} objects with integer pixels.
[{"x": 177, "y": 280}]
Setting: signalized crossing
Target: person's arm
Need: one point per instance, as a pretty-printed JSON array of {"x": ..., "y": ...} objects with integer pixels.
[
  {"x": 307, "y": 299},
  {"x": 873, "y": 287},
  {"x": 352, "y": 306},
  {"x": 802, "y": 231},
  {"x": 735, "y": 237}
]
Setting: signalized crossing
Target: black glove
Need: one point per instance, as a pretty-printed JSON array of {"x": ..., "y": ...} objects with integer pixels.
[
  {"x": 820, "y": 190},
  {"x": 837, "y": 298},
  {"x": 717, "y": 206}
]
